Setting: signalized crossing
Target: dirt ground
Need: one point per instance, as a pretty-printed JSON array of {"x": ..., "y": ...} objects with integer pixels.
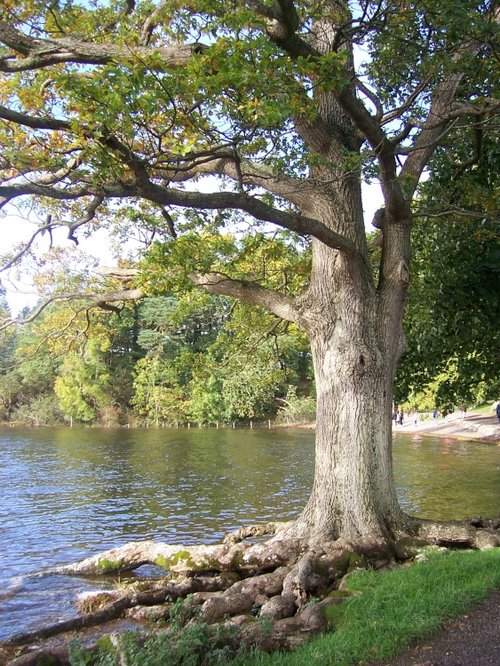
[{"x": 470, "y": 640}]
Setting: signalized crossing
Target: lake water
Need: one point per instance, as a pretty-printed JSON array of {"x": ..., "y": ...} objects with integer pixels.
[{"x": 69, "y": 493}]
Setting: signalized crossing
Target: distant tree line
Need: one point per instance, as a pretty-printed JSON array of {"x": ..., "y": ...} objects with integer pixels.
[
  {"x": 163, "y": 361},
  {"x": 191, "y": 357}
]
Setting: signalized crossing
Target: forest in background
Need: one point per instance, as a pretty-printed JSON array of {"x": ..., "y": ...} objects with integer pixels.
[{"x": 183, "y": 356}]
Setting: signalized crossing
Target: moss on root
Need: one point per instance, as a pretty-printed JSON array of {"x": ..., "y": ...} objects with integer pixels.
[{"x": 109, "y": 566}]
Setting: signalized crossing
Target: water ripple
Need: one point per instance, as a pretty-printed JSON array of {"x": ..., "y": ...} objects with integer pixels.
[{"x": 67, "y": 494}]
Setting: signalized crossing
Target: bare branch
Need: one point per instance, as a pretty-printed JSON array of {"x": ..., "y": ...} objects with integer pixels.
[
  {"x": 150, "y": 24},
  {"x": 372, "y": 97},
  {"x": 101, "y": 300},
  {"x": 89, "y": 215},
  {"x": 460, "y": 212},
  {"x": 25, "y": 248},
  {"x": 398, "y": 112}
]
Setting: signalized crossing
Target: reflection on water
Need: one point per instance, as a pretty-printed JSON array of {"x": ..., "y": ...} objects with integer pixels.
[
  {"x": 447, "y": 479},
  {"x": 69, "y": 493}
]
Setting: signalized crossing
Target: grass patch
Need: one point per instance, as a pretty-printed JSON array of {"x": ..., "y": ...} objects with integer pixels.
[
  {"x": 484, "y": 409},
  {"x": 395, "y": 608}
]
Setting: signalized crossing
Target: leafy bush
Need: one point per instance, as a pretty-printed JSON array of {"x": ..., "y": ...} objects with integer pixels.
[
  {"x": 297, "y": 409},
  {"x": 41, "y": 411}
]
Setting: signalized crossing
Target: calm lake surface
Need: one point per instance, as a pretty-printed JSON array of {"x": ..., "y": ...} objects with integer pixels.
[{"x": 69, "y": 493}]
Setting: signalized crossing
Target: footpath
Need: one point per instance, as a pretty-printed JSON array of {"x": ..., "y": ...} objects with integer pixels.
[
  {"x": 474, "y": 638},
  {"x": 470, "y": 640},
  {"x": 474, "y": 426}
]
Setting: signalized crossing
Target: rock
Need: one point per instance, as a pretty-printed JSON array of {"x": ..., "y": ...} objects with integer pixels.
[
  {"x": 485, "y": 540},
  {"x": 279, "y": 607}
]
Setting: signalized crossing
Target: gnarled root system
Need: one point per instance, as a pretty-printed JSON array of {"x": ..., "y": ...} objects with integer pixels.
[{"x": 271, "y": 593}]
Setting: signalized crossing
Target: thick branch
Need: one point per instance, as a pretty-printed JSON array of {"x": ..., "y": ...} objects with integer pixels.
[
  {"x": 27, "y": 188},
  {"x": 118, "y": 273},
  {"x": 437, "y": 120},
  {"x": 249, "y": 292},
  {"x": 283, "y": 35},
  {"x": 45, "y": 52},
  {"x": 432, "y": 131},
  {"x": 221, "y": 200},
  {"x": 46, "y": 123},
  {"x": 222, "y": 162},
  {"x": 300, "y": 224}
]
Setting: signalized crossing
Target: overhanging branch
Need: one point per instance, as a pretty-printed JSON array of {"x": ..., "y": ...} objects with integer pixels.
[
  {"x": 165, "y": 196},
  {"x": 100, "y": 300},
  {"x": 296, "y": 222},
  {"x": 44, "y": 123},
  {"x": 249, "y": 292}
]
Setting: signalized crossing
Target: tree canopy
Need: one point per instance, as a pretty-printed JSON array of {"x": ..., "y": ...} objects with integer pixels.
[{"x": 110, "y": 109}]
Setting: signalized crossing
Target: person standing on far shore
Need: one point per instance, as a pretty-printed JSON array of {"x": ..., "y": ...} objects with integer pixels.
[{"x": 497, "y": 410}]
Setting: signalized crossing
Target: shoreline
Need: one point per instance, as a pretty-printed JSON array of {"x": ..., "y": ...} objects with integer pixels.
[
  {"x": 479, "y": 427},
  {"x": 475, "y": 426}
]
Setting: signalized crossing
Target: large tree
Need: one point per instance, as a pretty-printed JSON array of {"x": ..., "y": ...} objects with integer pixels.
[{"x": 120, "y": 111}]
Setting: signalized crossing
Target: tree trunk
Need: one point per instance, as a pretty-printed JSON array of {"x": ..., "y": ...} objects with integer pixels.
[
  {"x": 356, "y": 337},
  {"x": 353, "y": 495}
]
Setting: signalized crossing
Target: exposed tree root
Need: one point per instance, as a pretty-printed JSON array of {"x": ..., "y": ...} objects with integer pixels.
[
  {"x": 477, "y": 533},
  {"x": 231, "y": 555},
  {"x": 273, "y": 579},
  {"x": 105, "y": 606}
]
